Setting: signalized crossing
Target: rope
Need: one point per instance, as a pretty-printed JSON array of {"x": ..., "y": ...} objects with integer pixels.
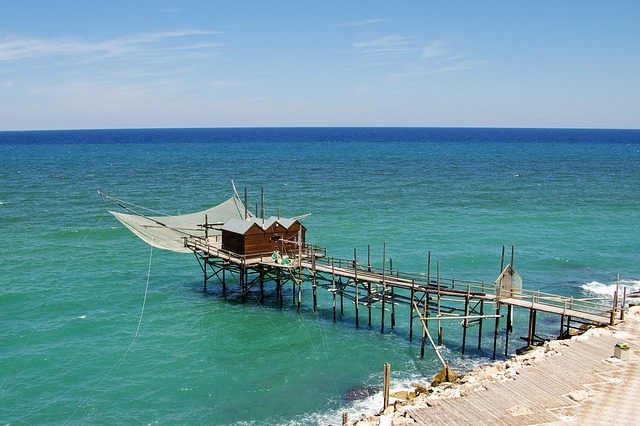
[
  {"x": 124, "y": 204},
  {"x": 146, "y": 291},
  {"x": 124, "y": 355},
  {"x": 91, "y": 230}
]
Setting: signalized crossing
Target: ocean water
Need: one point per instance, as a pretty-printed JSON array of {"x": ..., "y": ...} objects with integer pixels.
[{"x": 98, "y": 328}]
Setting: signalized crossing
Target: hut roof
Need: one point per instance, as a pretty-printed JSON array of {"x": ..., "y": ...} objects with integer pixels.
[{"x": 240, "y": 226}]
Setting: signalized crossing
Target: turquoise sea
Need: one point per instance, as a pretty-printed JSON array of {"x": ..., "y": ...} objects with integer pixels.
[{"x": 98, "y": 328}]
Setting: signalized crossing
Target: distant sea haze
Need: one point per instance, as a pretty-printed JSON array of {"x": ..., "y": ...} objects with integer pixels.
[{"x": 74, "y": 279}]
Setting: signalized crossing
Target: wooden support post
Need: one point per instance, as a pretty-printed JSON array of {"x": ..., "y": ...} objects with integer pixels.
[
  {"x": 355, "y": 279},
  {"x": 393, "y": 305},
  {"x": 413, "y": 292},
  {"x": 386, "y": 385},
  {"x": 624, "y": 302},
  {"x": 496, "y": 330},
  {"x": 465, "y": 322},
  {"x": 480, "y": 324},
  {"x": 242, "y": 280},
  {"x": 508, "y": 329},
  {"x": 261, "y": 286},
  {"x": 293, "y": 291},
  {"x": 425, "y": 323},
  {"x": 224, "y": 281},
  {"x": 612, "y": 320},
  {"x": 342, "y": 299},
  {"x": 357, "y": 304},
  {"x": 278, "y": 287},
  {"x": 204, "y": 271},
  {"x": 369, "y": 304},
  {"x": 423, "y": 342},
  {"x": 531, "y": 330},
  {"x": 333, "y": 287},
  {"x": 315, "y": 282}
]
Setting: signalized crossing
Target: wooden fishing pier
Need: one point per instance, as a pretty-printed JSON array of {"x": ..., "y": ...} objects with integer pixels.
[
  {"x": 426, "y": 297},
  {"x": 234, "y": 245}
]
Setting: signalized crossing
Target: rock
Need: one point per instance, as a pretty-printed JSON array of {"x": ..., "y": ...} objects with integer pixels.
[
  {"x": 402, "y": 421},
  {"x": 365, "y": 423},
  {"x": 403, "y": 394},
  {"x": 386, "y": 421},
  {"x": 419, "y": 388},
  {"x": 361, "y": 392},
  {"x": 445, "y": 375},
  {"x": 389, "y": 410},
  {"x": 469, "y": 378},
  {"x": 511, "y": 373}
]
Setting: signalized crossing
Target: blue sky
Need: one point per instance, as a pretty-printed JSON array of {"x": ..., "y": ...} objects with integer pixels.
[{"x": 203, "y": 63}]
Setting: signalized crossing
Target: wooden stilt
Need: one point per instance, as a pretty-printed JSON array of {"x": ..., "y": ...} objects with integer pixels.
[
  {"x": 480, "y": 322},
  {"x": 314, "y": 285},
  {"x": 531, "y": 335},
  {"x": 424, "y": 339},
  {"x": 413, "y": 292},
  {"x": 496, "y": 330},
  {"x": 224, "y": 281},
  {"x": 293, "y": 292},
  {"x": 369, "y": 304},
  {"x": 261, "y": 286},
  {"x": 465, "y": 322},
  {"x": 386, "y": 385},
  {"x": 333, "y": 287},
  {"x": 508, "y": 329},
  {"x": 393, "y": 305},
  {"x": 355, "y": 275},
  {"x": 341, "y": 299}
]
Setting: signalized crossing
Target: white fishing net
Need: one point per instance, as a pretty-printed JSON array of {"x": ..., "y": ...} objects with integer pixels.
[{"x": 167, "y": 232}]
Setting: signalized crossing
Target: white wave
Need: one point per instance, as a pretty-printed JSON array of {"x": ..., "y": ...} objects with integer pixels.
[{"x": 609, "y": 290}]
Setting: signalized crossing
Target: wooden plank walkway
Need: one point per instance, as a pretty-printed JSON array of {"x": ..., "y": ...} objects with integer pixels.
[
  {"x": 598, "y": 318},
  {"x": 539, "y": 394}
]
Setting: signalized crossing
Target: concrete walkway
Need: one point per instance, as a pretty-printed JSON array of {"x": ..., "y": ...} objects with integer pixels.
[{"x": 580, "y": 384}]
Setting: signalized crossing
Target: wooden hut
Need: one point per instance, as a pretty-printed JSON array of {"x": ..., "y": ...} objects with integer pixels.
[{"x": 259, "y": 236}]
